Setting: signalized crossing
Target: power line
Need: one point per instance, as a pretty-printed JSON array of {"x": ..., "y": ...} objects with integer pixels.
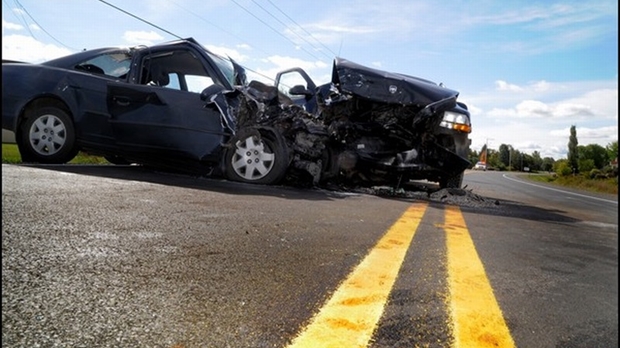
[
  {"x": 284, "y": 24},
  {"x": 140, "y": 19},
  {"x": 40, "y": 26},
  {"x": 216, "y": 26},
  {"x": 20, "y": 18},
  {"x": 274, "y": 30},
  {"x": 302, "y": 28},
  {"x": 166, "y": 31}
]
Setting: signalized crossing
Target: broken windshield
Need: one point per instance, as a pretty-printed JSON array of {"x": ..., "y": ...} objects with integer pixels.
[{"x": 225, "y": 66}]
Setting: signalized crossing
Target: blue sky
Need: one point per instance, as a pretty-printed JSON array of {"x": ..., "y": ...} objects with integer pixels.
[{"x": 528, "y": 70}]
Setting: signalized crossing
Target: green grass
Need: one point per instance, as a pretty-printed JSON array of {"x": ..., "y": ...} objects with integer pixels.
[
  {"x": 10, "y": 154},
  {"x": 609, "y": 185}
]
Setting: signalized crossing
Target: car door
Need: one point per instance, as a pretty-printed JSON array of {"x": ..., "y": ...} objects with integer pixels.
[
  {"x": 163, "y": 117},
  {"x": 299, "y": 87},
  {"x": 151, "y": 121}
]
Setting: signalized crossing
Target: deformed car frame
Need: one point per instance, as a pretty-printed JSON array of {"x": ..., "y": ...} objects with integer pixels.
[{"x": 177, "y": 105}]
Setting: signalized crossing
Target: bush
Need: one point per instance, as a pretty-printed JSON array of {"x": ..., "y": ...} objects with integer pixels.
[
  {"x": 586, "y": 165},
  {"x": 596, "y": 174},
  {"x": 610, "y": 171},
  {"x": 562, "y": 168}
]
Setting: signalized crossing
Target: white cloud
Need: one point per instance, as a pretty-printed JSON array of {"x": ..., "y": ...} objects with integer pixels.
[
  {"x": 525, "y": 109},
  {"x": 585, "y": 135},
  {"x": 27, "y": 49},
  {"x": 541, "y": 86},
  {"x": 227, "y": 52},
  {"x": 142, "y": 37},
  {"x": 245, "y": 47},
  {"x": 538, "y": 118},
  {"x": 572, "y": 110},
  {"x": 275, "y": 64},
  {"x": 533, "y": 108},
  {"x": 602, "y": 103},
  {"x": 505, "y": 86},
  {"x": 10, "y": 26},
  {"x": 561, "y": 102}
]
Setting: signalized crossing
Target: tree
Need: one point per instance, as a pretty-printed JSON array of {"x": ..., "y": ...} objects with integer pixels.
[
  {"x": 473, "y": 157},
  {"x": 517, "y": 160},
  {"x": 586, "y": 165},
  {"x": 536, "y": 161},
  {"x": 504, "y": 154},
  {"x": 493, "y": 160},
  {"x": 547, "y": 164},
  {"x": 573, "y": 155},
  {"x": 594, "y": 152},
  {"x": 612, "y": 150}
]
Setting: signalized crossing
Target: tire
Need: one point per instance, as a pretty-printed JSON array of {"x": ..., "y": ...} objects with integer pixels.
[
  {"x": 452, "y": 182},
  {"x": 47, "y": 136},
  {"x": 254, "y": 157}
]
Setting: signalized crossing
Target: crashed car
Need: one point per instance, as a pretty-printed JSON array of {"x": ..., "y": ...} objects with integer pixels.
[{"x": 179, "y": 106}]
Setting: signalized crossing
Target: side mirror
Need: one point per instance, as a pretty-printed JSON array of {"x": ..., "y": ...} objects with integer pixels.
[
  {"x": 206, "y": 93},
  {"x": 300, "y": 90}
]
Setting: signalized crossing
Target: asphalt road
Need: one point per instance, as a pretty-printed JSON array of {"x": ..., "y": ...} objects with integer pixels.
[{"x": 112, "y": 256}]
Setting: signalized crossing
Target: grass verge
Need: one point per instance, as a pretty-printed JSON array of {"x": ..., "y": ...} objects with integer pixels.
[
  {"x": 609, "y": 185},
  {"x": 10, "y": 154}
]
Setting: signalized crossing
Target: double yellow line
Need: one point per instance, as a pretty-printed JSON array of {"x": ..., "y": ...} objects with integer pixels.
[{"x": 349, "y": 317}]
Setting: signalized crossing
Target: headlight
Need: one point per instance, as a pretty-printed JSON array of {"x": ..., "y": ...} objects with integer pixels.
[{"x": 456, "y": 121}]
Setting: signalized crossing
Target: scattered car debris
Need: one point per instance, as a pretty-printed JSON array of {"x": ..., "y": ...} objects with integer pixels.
[{"x": 453, "y": 196}]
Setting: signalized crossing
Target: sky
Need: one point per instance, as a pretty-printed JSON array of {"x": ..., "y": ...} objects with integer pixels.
[{"x": 527, "y": 70}]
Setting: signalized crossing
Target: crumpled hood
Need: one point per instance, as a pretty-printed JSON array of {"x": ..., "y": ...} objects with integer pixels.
[{"x": 386, "y": 87}]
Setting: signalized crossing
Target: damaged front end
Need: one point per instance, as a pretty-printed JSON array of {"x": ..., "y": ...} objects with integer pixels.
[
  {"x": 371, "y": 128},
  {"x": 387, "y": 129}
]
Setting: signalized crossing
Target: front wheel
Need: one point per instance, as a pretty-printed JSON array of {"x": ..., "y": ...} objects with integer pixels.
[
  {"x": 254, "y": 157},
  {"x": 47, "y": 136}
]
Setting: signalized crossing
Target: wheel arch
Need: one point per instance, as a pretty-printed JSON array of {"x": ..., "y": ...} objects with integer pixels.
[{"x": 40, "y": 102}]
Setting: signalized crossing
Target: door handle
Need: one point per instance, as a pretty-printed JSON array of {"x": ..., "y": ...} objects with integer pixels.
[{"x": 122, "y": 101}]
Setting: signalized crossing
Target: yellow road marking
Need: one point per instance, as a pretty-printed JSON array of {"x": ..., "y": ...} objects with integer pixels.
[
  {"x": 476, "y": 316},
  {"x": 349, "y": 318}
]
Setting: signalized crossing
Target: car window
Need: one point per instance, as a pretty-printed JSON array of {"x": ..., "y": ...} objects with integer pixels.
[
  {"x": 287, "y": 81},
  {"x": 196, "y": 83},
  {"x": 179, "y": 69},
  {"x": 225, "y": 66},
  {"x": 173, "y": 81},
  {"x": 115, "y": 64}
]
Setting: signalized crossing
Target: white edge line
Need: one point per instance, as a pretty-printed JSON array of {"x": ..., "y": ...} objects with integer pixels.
[{"x": 553, "y": 189}]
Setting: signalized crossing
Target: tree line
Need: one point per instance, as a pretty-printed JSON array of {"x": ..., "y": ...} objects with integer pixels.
[{"x": 591, "y": 160}]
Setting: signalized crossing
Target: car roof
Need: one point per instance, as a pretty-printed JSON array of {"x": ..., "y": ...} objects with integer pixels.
[{"x": 74, "y": 58}]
